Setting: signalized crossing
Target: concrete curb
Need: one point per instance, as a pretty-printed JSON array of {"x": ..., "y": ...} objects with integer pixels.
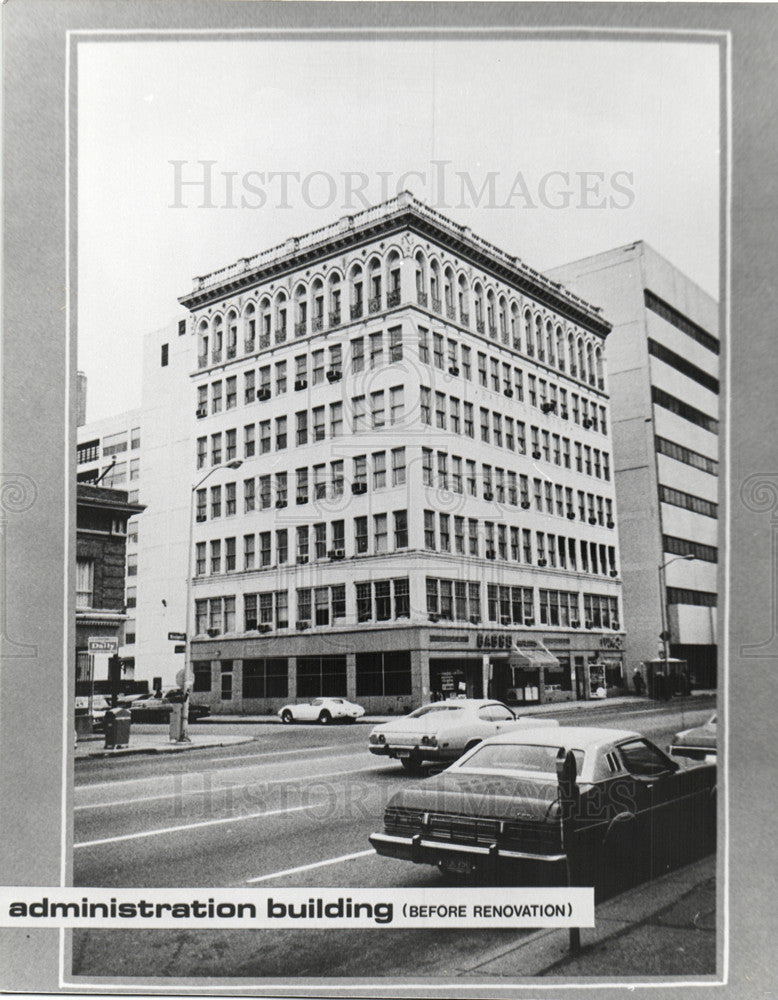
[
  {"x": 545, "y": 950},
  {"x": 163, "y": 748}
]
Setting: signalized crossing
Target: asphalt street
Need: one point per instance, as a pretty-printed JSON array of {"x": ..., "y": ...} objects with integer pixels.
[{"x": 292, "y": 808}]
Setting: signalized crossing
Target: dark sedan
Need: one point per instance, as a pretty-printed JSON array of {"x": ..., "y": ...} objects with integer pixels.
[
  {"x": 637, "y": 810},
  {"x": 157, "y": 708}
]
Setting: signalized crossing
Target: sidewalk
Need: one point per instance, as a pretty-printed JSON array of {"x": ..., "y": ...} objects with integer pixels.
[
  {"x": 666, "y": 927},
  {"x": 551, "y": 708},
  {"x": 155, "y": 743}
]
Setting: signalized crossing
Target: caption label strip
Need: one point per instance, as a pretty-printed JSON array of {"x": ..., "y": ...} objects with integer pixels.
[{"x": 26, "y": 906}]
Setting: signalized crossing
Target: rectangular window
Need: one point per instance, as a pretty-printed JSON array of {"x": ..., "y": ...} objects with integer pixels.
[
  {"x": 202, "y": 451},
  {"x": 230, "y": 491},
  {"x": 317, "y": 367},
  {"x": 301, "y": 492},
  {"x": 445, "y": 532},
  {"x": 320, "y": 540},
  {"x": 360, "y": 535},
  {"x": 229, "y": 555},
  {"x": 376, "y": 350},
  {"x": 357, "y": 355},
  {"x": 424, "y": 350},
  {"x": 216, "y": 397},
  {"x": 280, "y": 433},
  {"x": 379, "y": 469},
  {"x": 282, "y": 546},
  {"x": 318, "y": 423},
  {"x": 364, "y": 602},
  {"x": 429, "y": 530},
  {"x": 437, "y": 349},
  {"x": 248, "y": 552},
  {"x": 301, "y": 419},
  {"x": 377, "y": 408},
  {"x": 85, "y": 576},
  {"x": 380, "y": 533},
  {"x": 425, "y": 405},
  {"x": 396, "y": 404},
  {"x": 281, "y": 489},
  {"x": 216, "y": 501},
  {"x": 232, "y": 392},
  {"x": 395, "y": 344},
  {"x": 466, "y": 365},
  {"x": 338, "y": 478},
  {"x": 359, "y": 414},
  {"x": 216, "y": 556},
  {"x": 336, "y": 419}
]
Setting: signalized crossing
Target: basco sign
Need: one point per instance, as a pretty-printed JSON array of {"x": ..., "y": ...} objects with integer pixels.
[{"x": 494, "y": 640}]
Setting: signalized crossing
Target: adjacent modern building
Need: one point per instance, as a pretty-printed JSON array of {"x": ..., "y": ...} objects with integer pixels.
[
  {"x": 663, "y": 368},
  {"x": 101, "y": 619},
  {"x": 147, "y": 451},
  {"x": 399, "y": 472}
]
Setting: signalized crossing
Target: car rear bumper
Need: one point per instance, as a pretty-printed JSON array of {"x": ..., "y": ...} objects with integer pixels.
[
  {"x": 434, "y": 852},
  {"x": 419, "y": 752},
  {"x": 696, "y": 752}
]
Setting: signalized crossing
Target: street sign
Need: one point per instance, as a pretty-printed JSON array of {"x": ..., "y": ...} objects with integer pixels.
[
  {"x": 102, "y": 644},
  {"x": 179, "y": 649},
  {"x": 177, "y": 636}
]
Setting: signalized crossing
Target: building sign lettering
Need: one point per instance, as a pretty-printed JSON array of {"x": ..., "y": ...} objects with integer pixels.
[{"x": 610, "y": 642}]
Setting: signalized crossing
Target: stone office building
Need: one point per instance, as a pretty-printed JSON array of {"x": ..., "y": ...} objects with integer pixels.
[{"x": 402, "y": 474}]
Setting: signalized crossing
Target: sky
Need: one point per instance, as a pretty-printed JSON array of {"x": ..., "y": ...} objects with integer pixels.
[{"x": 552, "y": 150}]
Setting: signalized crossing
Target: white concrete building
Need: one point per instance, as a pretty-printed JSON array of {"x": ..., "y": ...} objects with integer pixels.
[
  {"x": 663, "y": 367},
  {"x": 424, "y": 501}
]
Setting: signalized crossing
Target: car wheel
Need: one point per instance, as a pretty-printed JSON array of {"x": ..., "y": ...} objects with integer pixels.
[
  {"x": 412, "y": 764},
  {"x": 287, "y": 717},
  {"x": 325, "y": 718}
]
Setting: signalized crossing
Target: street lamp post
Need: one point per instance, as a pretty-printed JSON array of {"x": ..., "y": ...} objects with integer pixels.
[
  {"x": 182, "y": 729},
  {"x": 663, "y": 605}
]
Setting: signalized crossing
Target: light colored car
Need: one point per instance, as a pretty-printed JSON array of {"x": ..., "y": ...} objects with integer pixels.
[
  {"x": 698, "y": 743},
  {"x": 637, "y": 811},
  {"x": 323, "y": 710},
  {"x": 444, "y": 730}
]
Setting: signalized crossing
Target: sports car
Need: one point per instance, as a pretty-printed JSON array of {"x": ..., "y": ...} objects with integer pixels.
[
  {"x": 636, "y": 811},
  {"x": 323, "y": 710},
  {"x": 444, "y": 730}
]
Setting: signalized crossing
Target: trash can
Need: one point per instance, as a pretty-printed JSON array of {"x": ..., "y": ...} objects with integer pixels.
[{"x": 117, "y": 728}]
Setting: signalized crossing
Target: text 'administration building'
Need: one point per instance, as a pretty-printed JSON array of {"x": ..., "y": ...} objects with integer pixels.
[
  {"x": 425, "y": 479},
  {"x": 663, "y": 367}
]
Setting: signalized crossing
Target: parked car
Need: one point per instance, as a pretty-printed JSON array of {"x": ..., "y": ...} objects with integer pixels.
[
  {"x": 323, "y": 710},
  {"x": 157, "y": 707},
  {"x": 698, "y": 743},
  {"x": 444, "y": 730},
  {"x": 638, "y": 810}
]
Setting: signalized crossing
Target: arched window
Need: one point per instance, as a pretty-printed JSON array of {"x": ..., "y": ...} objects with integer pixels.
[
  {"x": 529, "y": 339},
  {"x": 491, "y": 314},
  {"x": 479, "y": 307},
  {"x": 421, "y": 280},
  {"x": 202, "y": 344},
  {"x": 217, "y": 332},
  {"x": 515, "y": 326},
  {"x": 249, "y": 328},
  {"x": 464, "y": 301},
  {"x": 503, "y": 319},
  {"x": 571, "y": 354},
  {"x": 300, "y": 311},
  {"x": 581, "y": 362},
  {"x": 393, "y": 279},
  {"x": 374, "y": 272},
  {"x": 335, "y": 295},
  {"x": 435, "y": 286},
  {"x": 590, "y": 363},
  {"x": 539, "y": 338},
  {"x": 448, "y": 293},
  {"x": 357, "y": 291},
  {"x": 317, "y": 301},
  {"x": 232, "y": 333},
  {"x": 265, "y": 321},
  {"x": 560, "y": 348},
  {"x": 550, "y": 342},
  {"x": 599, "y": 366},
  {"x": 281, "y": 310}
]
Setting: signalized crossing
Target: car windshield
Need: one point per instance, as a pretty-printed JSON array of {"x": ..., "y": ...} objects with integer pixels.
[
  {"x": 438, "y": 706},
  {"x": 520, "y": 757}
]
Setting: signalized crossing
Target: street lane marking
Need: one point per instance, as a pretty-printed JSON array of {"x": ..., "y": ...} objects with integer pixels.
[
  {"x": 222, "y": 788},
  {"x": 191, "y": 826},
  {"x": 316, "y": 864},
  {"x": 270, "y": 753}
]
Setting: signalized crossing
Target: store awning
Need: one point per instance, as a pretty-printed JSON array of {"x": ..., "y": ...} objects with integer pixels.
[{"x": 533, "y": 659}]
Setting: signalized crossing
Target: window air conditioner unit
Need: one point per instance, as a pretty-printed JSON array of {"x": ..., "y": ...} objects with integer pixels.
[
  {"x": 611, "y": 524},
  {"x": 474, "y": 619},
  {"x": 488, "y": 495},
  {"x": 525, "y": 505},
  {"x": 263, "y": 394},
  {"x": 541, "y": 562},
  {"x": 202, "y": 411},
  {"x": 575, "y": 624},
  {"x": 213, "y": 632},
  {"x": 200, "y": 518},
  {"x": 548, "y": 407},
  {"x": 592, "y": 520},
  {"x": 453, "y": 370},
  {"x": 529, "y": 621},
  {"x": 614, "y": 573},
  {"x": 505, "y": 620},
  {"x": 302, "y": 625},
  {"x": 571, "y": 515},
  {"x": 302, "y": 559},
  {"x": 434, "y": 617},
  {"x": 333, "y": 375},
  {"x": 337, "y": 554},
  {"x": 264, "y": 628},
  {"x": 589, "y": 624},
  {"x": 491, "y": 554},
  {"x": 536, "y": 454},
  {"x": 508, "y": 393},
  {"x": 586, "y": 422},
  {"x": 300, "y": 383},
  {"x": 359, "y": 488},
  {"x": 615, "y": 626},
  {"x": 280, "y": 503},
  {"x": 302, "y": 499}
]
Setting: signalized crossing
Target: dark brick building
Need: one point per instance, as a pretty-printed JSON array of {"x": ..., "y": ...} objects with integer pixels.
[{"x": 101, "y": 539}]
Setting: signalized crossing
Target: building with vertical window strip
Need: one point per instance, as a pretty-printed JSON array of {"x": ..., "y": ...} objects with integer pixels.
[
  {"x": 663, "y": 366},
  {"x": 401, "y": 474}
]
